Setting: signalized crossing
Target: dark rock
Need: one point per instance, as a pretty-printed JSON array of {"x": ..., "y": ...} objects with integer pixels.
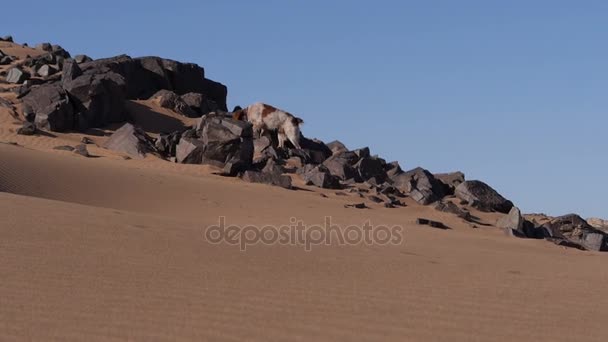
[
  {"x": 341, "y": 165},
  {"x": 200, "y": 104},
  {"x": 594, "y": 241},
  {"x": 28, "y": 128},
  {"x": 450, "y": 180},
  {"x": 170, "y": 100},
  {"x": 337, "y": 147},
  {"x": 189, "y": 151},
  {"x": 7, "y": 39},
  {"x": 46, "y": 71},
  {"x": 449, "y": 207},
  {"x": 16, "y": 76},
  {"x": 6, "y": 60},
  {"x": 50, "y": 107},
  {"x": 64, "y": 148},
  {"x": 356, "y": 206},
  {"x": 482, "y": 196},
  {"x": 166, "y": 144},
  {"x": 82, "y": 150},
  {"x": 70, "y": 71},
  {"x": 420, "y": 185},
  {"x": 393, "y": 169},
  {"x": 363, "y": 152},
  {"x": 316, "y": 150},
  {"x": 44, "y": 46},
  {"x": 226, "y": 140},
  {"x": 270, "y": 178},
  {"x": 368, "y": 167},
  {"x": 86, "y": 141},
  {"x": 319, "y": 176},
  {"x": 130, "y": 140},
  {"x": 82, "y": 59},
  {"x": 434, "y": 224},
  {"x": 99, "y": 99}
]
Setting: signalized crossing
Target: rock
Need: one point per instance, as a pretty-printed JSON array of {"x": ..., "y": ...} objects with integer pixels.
[
  {"x": 420, "y": 184},
  {"x": 449, "y": 207},
  {"x": 16, "y": 76},
  {"x": 337, "y": 147},
  {"x": 7, "y": 39},
  {"x": 225, "y": 140},
  {"x": 64, "y": 148},
  {"x": 393, "y": 169},
  {"x": 49, "y": 107},
  {"x": 46, "y": 71},
  {"x": 166, "y": 144},
  {"x": 6, "y": 60},
  {"x": 86, "y": 141},
  {"x": 513, "y": 222},
  {"x": 316, "y": 150},
  {"x": 130, "y": 140},
  {"x": 44, "y": 46},
  {"x": 170, "y": 100},
  {"x": 594, "y": 241},
  {"x": 267, "y": 178},
  {"x": 82, "y": 59},
  {"x": 482, "y": 196},
  {"x": 82, "y": 150},
  {"x": 362, "y": 152},
  {"x": 368, "y": 167},
  {"x": 356, "y": 206},
  {"x": 28, "y": 128},
  {"x": 450, "y": 180},
  {"x": 99, "y": 99},
  {"x": 70, "y": 71},
  {"x": 434, "y": 224},
  {"x": 189, "y": 151},
  {"x": 319, "y": 176},
  {"x": 341, "y": 165},
  {"x": 200, "y": 104}
]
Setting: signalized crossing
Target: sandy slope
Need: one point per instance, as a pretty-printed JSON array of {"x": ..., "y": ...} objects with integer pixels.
[
  {"x": 130, "y": 262},
  {"x": 112, "y": 249}
]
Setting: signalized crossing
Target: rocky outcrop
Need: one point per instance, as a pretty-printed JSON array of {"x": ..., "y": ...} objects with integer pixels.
[
  {"x": 420, "y": 185},
  {"x": 49, "y": 107}
]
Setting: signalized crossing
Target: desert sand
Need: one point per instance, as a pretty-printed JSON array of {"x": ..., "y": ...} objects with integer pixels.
[{"x": 108, "y": 249}]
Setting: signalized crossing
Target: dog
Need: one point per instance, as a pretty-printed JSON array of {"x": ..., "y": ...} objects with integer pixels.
[{"x": 265, "y": 117}]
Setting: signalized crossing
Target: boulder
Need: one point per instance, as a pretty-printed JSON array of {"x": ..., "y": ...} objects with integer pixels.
[
  {"x": 44, "y": 46},
  {"x": 28, "y": 128},
  {"x": 269, "y": 178},
  {"x": 49, "y": 107},
  {"x": 130, "y": 140},
  {"x": 166, "y": 144},
  {"x": 82, "y": 59},
  {"x": 481, "y": 196},
  {"x": 315, "y": 149},
  {"x": 341, "y": 165},
  {"x": 450, "y": 207},
  {"x": 46, "y": 71},
  {"x": 337, "y": 147},
  {"x": 512, "y": 222},
  {"x": 16, "y": 76},
  {"x": 321, "y": 177},
  {"x": 189, "y": 150},
  {"x": 420, "y": 185},
  {"x": 369, "y": 167},
  {"x": 6, "y": 60},
  {"x": 450, "y": 180},
  {"x": 594, "y": 241},
  {"x": 199, "y": 103},
  {"x": 170, "y": 100},
  {"x": 431, "y": 223},
  {"x": 82, "y": 150},
  {"x": 7, "y": 39},
  {"x": 99, "y": 99},
  {"x": 225, "y": 140},
  {"x": 64, "y": 148},
  {"x": 70, "y": 71}
]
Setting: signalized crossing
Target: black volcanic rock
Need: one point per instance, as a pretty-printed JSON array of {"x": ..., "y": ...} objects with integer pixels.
[{"x": 482, "y": 196}]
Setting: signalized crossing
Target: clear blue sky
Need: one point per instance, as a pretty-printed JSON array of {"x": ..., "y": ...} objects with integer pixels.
[{"x": 514, "y": 93}]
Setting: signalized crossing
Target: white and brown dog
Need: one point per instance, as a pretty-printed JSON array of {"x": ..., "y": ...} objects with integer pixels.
[{"x": 265, "y": 117}]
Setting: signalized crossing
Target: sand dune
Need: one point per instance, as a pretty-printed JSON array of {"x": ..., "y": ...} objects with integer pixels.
[{"x": 116, "y": 251}]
